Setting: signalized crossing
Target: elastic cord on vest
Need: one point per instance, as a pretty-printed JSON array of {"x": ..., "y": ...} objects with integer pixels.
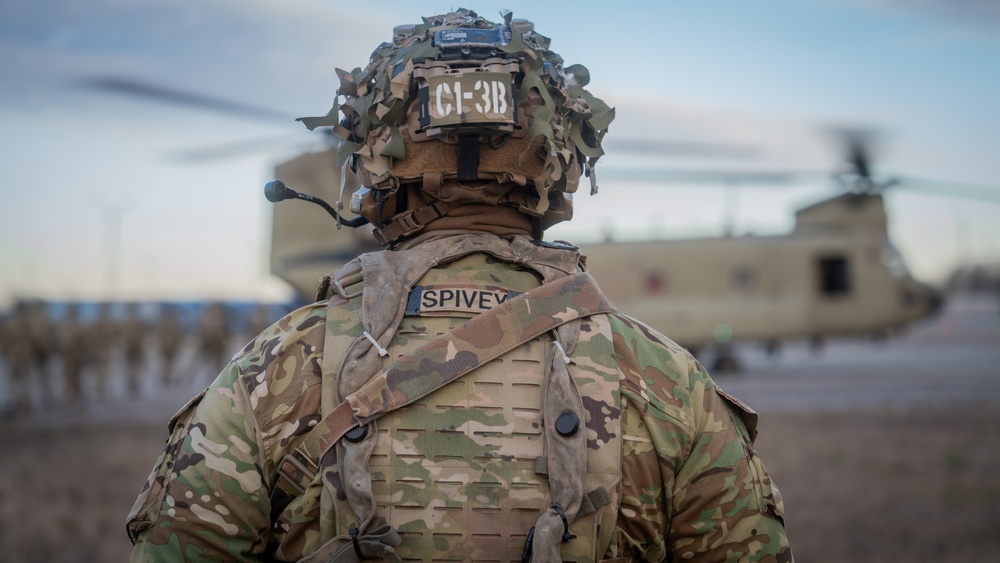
[
  {"x": 353, "y": 531},
  {"x": 527, "y": 552},
  {"x": 562, "y": 515}
]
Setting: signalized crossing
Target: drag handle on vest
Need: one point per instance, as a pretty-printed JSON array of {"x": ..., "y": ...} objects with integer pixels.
[{"x": 276, "y": 191}]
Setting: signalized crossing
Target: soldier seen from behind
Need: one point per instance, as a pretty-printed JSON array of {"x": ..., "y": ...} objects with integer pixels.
[
  {"x": 19, "y": 358},
  {"x": 258, "y": 320},
  {"x": 75, "y": 344},
  {"x": 104, "y": 336},
  {"x": 134, "y": 331},
  {"x": 44, "y": 342},
  {"x": 213, "y": 336},
  {"x": 169, "y": 336},
  {"x": 467, "y": 393}
]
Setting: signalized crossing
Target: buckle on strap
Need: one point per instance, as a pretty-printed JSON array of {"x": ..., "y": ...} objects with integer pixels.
[
  {"x": 408, "y": 223},
  {"x": 298, "y": 469},
  {"x": 339, "y": 287},
  {"x": 346, "y": 277},
  {"x": 404, "y": 225}
]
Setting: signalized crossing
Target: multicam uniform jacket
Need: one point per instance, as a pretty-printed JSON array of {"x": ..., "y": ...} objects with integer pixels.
[{"x": 453, "y": 472}]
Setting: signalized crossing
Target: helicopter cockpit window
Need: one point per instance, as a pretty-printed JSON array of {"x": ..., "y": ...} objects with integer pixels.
[
  {"x": 744, "y": 278},
  {"x": 894, "y": 262},
  {"x": 656, "y": 283},
  {"x": 834, "y": 275}
]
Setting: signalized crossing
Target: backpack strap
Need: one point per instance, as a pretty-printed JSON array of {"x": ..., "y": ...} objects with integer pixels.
[
  {"x": 448, "y": 357},
  {"x": 453, "y": 354},
  {"x": 393, "y": 273}
]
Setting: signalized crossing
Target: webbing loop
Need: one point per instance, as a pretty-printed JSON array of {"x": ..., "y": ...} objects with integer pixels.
[{"x": 562, "y": 516}]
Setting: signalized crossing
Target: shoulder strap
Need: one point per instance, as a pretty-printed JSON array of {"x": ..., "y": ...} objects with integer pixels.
[{"x": 461, "y": 350}]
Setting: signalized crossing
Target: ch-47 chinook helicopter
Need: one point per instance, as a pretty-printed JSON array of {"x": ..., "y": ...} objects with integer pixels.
[{"x": 836, "y": 273}]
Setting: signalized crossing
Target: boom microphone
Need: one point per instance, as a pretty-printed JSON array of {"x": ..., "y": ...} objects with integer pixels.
[{"x": 276, "y": 191}]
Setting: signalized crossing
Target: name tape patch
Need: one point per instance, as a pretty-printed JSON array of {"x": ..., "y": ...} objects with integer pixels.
[{"x": 428, "y": 300}]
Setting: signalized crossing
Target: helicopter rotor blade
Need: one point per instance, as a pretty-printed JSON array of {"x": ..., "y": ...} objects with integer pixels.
[
  {"x": 139, "y": 89},
  {"x": 763, "y": 178},
  {"x": 948, "y": 189},
  {"x": 857, "y": 149},
  {"x": 231, "y": 150},
  {"x": 655, "y": 147}
]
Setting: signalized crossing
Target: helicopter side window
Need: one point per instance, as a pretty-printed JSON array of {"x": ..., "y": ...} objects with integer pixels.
[{"x": 834, "y": 276}]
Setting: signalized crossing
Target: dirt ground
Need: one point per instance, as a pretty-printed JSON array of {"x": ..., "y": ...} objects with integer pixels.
[{"x": 915, "y": 485}]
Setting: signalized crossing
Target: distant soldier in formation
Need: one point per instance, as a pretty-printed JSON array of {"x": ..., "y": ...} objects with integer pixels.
[
  {"x": 6, "y": 349},
  {"x": 213, "y": 336},
  {"x": 43, "y": 341},
  {"x": 19, "y": 357},
  {"x": 169, "y": 336},
  {"x": 73, "y": 349},
  {"x": 134, "y": 331},
  {"x": 104, "y": 339},
  {"x": 260, "y": 319}
]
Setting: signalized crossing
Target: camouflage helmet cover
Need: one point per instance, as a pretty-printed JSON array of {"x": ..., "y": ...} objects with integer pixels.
[{"x": 529, "y": 156}]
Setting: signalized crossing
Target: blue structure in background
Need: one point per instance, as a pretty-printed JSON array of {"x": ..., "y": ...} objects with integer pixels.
[{"x": 239, "y": 313}]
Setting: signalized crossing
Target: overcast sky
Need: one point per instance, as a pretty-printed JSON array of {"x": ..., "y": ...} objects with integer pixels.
[{"x": 769, "y": 74}]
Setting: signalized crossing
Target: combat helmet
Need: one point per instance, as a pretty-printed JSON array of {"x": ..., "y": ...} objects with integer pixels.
[{"x": 458, "y": 111}]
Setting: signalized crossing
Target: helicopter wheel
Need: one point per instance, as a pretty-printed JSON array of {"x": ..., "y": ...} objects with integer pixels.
[{"x": 726, "y": 364}]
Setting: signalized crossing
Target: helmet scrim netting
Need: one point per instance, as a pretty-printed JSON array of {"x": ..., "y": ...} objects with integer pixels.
[{"x": 471, "y": 111}]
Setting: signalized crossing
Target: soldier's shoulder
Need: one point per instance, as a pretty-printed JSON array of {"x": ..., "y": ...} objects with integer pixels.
[
  {"x": 655, "y": 369},
  {"x": 288, "y": 331},
  {"x": 290, "y": 351},
  {"x": 639, "y": 339}
]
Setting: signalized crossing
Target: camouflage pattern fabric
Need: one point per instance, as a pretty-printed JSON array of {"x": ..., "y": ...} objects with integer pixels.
[{"x": 691, "y": 487}]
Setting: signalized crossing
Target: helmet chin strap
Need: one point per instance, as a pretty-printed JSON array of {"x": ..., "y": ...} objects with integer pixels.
[{"x": 537, "y": 231}]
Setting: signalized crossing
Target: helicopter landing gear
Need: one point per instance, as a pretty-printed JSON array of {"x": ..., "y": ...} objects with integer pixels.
[
  {"x": 725, "y": 362},
  {"x": 816, "y": 344}
]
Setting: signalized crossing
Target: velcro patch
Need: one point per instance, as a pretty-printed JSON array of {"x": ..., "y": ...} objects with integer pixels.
[{"x": 434, "y": 300}]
